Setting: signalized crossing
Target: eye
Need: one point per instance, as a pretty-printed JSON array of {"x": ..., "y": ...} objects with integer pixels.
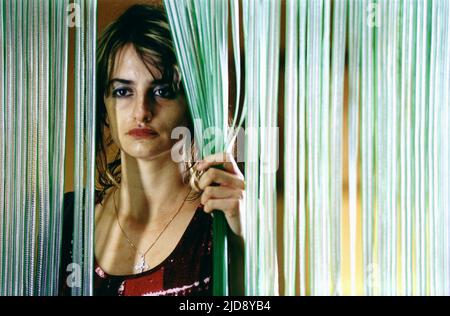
[
  {"x": 163, "y": 92},
  {"x": 121, "y": 92}
]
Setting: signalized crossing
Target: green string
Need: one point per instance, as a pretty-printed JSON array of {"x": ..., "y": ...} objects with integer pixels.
[
  {"x": 220, "y": 251},
  {"x": 201, "y": 44}
]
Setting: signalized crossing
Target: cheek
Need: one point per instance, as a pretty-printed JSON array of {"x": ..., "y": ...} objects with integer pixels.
[
  {"x": 182, "y": 118},
  {"x": 120, "y": 125},
  {"x": 173, "y": 116},
  {"x": 181, "y": 114},
  {"x": 114, "y": 124},
  {"x": 178, "y": 121}
]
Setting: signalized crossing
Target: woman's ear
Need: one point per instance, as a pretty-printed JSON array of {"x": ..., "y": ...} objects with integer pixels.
[
  {"x": 176, "y": 75},
  {"x": 176, "y": 80},
  {"x": 107, "y": 120}
]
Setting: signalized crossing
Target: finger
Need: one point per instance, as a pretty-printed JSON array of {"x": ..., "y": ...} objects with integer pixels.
[
  {"x": 229, "y": 206},
  {"x": 220, "y": 192},
  {"x": 225, "y": 159},
  {"x": 217, "y": 176}
]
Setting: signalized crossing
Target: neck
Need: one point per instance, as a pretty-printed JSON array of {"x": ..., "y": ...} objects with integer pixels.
[{"x": 150, "y": 189}]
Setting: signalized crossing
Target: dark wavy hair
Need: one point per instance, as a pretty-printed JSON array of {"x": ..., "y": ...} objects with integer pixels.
[{"x": 146, "y": 28}]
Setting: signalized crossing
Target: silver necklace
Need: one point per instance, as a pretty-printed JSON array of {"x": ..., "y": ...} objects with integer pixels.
[{"x": 142, "y": 265}]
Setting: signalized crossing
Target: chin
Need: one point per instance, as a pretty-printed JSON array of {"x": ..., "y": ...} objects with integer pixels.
[{"x": 148, "y": 153}]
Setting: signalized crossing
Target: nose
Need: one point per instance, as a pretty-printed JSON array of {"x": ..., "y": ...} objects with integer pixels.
[{"x": 142, "y": 110}]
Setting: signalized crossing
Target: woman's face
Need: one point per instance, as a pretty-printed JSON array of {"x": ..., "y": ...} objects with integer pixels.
[{"x": 136, "y": 99}]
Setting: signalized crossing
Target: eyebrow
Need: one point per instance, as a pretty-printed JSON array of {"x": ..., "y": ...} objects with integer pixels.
[
  {"x": 131, "y": 82},
  {"x": 120, "y": 80}
]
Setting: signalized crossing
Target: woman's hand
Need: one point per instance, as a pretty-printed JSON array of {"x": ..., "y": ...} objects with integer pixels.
[{"x": 223, "y": 189}]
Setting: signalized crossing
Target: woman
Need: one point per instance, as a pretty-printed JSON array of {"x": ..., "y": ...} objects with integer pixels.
[{"x": 153, "y": 232}]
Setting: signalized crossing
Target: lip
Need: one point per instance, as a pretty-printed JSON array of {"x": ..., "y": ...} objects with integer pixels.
[{"x": 142, "y": 132}]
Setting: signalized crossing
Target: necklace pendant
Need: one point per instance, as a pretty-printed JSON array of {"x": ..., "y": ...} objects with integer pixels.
[{"x": 141, "y": 266}]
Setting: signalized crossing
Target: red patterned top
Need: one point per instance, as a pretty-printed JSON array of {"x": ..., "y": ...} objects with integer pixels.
[{"x": 186, "y": 271}]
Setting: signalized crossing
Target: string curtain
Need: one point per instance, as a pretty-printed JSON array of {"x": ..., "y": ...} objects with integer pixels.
[
  {"x": 84, "y": 147},
  {"x": 200, "y": 32},
  {"x": 366, "y": 139},
  {"x": 34, "y": 39},
  {"x": 33, "y": 93},
  {"x": 375, "y": 223}
]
